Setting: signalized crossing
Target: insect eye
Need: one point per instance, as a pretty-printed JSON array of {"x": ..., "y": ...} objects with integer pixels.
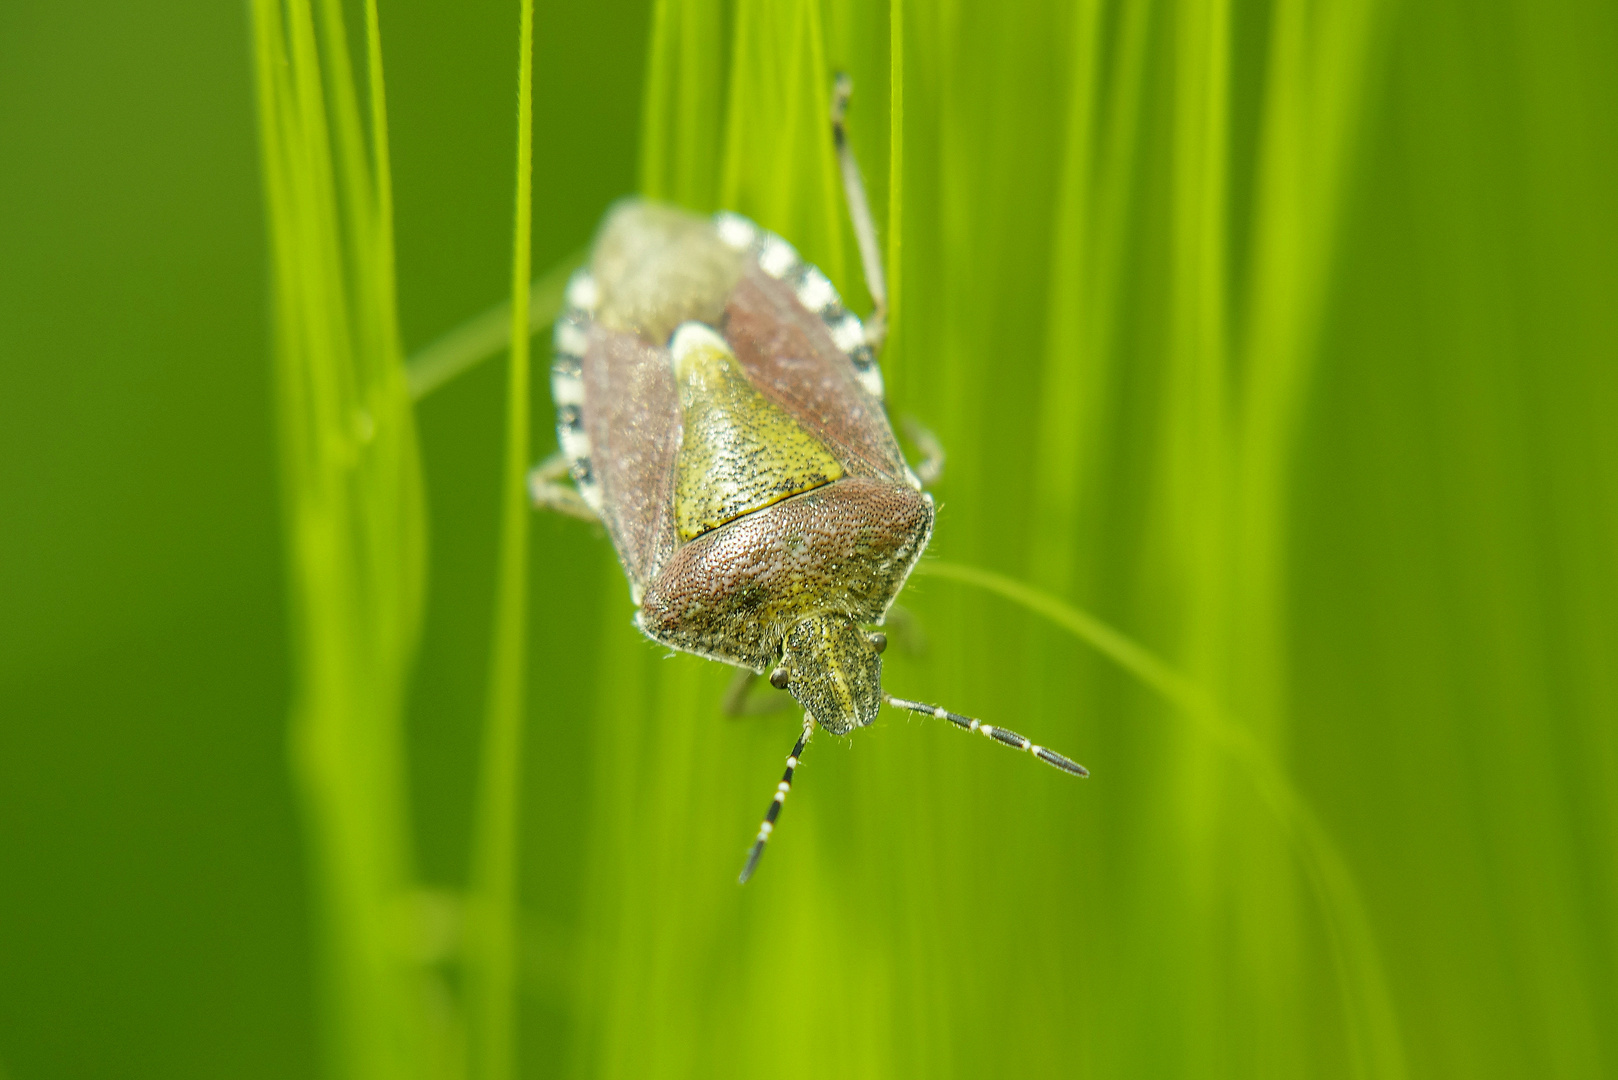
[
  {"x": 778, "y": 678},
  {"x": 879, "y": 642}
]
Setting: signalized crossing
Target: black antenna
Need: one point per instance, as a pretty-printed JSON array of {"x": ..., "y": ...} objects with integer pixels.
[
  {"x": 998, "y": 734},
  {"x": 774, "y": 811}
]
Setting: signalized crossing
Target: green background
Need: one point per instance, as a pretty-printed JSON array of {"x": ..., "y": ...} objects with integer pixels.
[{"x": 1421, "y": 626}]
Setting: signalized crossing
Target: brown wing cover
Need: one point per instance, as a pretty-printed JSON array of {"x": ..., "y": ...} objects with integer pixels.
[
  {"x": 789, "y": 355},
  {"x": 632, "y": 415},
  {"x": 845, "y": 548},
  {"x": 656, "y": 267}
]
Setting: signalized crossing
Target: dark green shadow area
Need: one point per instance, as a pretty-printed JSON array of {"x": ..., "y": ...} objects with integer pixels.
[
  {"x": 155, "y": 915},
  {"x": 154, "y": 910}
]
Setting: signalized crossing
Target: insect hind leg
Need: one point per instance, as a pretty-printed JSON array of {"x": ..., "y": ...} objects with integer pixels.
[
  {"x": 740, "y": 701},
  {"x": 859, "y": 212},
  {"x": 931, "y": 466},
  {"x": 548, "y": 491}
]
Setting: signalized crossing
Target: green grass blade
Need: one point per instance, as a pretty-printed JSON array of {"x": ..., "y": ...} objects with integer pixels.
[
  {"x": 1320, "y": 70},
  {"x": 1353, "y": 942},
  {"x": 460, "y": 349},
  {"x": 685, "y": 79},
  {"x": 355, "y": 528},
  {"x": 492, "y": 950},
  {"x": 1120, "y": 649},
  {"x": 780, "y": 167},
  {"x": 896, "y": 159}
]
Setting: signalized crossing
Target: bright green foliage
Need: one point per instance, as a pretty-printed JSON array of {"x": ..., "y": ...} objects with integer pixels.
[
  {"x": 1128, "y": 262},
  {"x": 356, "y": 537},
  {"x": 357, "y": 546},
  {"x": 680, "y": 148}
]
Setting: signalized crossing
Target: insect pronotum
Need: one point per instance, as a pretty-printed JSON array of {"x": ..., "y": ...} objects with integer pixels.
[{"x": 720, "y": 411}]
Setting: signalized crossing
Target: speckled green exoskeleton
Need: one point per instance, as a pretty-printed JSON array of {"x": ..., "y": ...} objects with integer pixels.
[{"x": 720, "y": 412}]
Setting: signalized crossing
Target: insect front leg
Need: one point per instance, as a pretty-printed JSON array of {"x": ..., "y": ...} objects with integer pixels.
[
  {"x": 859, "y": 212},
  {"x": 902, "y": 625},
  {"x": 549, "y": 492},
  {"x": 931, "y": 467},
  {"x": 739, "y": 699}
]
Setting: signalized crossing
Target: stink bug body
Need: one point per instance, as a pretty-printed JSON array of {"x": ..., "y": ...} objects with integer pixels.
[{"x": 720, "y": 412}]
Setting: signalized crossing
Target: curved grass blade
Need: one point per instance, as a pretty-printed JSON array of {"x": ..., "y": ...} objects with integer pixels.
[{"x": 1358, "y": 960}]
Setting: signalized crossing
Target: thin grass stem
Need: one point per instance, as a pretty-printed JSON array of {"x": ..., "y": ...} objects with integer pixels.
[
  {"x": 1132, "y": 657},
  {"x": 491, "y": 954},
  {"x": 461, "y": 349}
]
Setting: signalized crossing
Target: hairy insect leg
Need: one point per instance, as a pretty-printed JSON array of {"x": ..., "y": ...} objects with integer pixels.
[
  {"x": 998, "y": 734},
  {"x": 546, "y": 488},
  {"x": 902, "y": 625},
  {"x": 931, "y": 467},
  {"x": 739, "y": 699},
  {"x": 768, "y": 825},
  {"x": 859, "y": 211}
]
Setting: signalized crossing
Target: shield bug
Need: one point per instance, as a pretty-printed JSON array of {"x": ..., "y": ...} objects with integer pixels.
[{"x": 721, "y": 412}]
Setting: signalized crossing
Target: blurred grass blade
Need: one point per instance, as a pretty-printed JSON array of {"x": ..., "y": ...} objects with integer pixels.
[
  {"x": 356, "y": 536},
  {"x": 491, "y": 958},
  {"x": 1353, "y": 943},
  {"x": 896, "y": 159},
  {"x": 482, "y": 336},
  {"x": 780, "y": 166},
  {"x": 1140, "y": 662},
  {"x": 685, "y": 78},
  {"x": 1321, "y": 63}
]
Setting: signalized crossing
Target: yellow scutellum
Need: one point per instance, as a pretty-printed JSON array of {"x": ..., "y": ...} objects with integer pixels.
[{"x": 738, "y": 451}]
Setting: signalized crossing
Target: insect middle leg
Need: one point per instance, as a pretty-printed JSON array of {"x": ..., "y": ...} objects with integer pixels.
[
  {"x": 549, "y": 492},
  {"x": 859, "y": 211},
  {"x": 904, "y": 628},
  {"x": 739, "y": 699},
  {"x": 931, "y": 466}
]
